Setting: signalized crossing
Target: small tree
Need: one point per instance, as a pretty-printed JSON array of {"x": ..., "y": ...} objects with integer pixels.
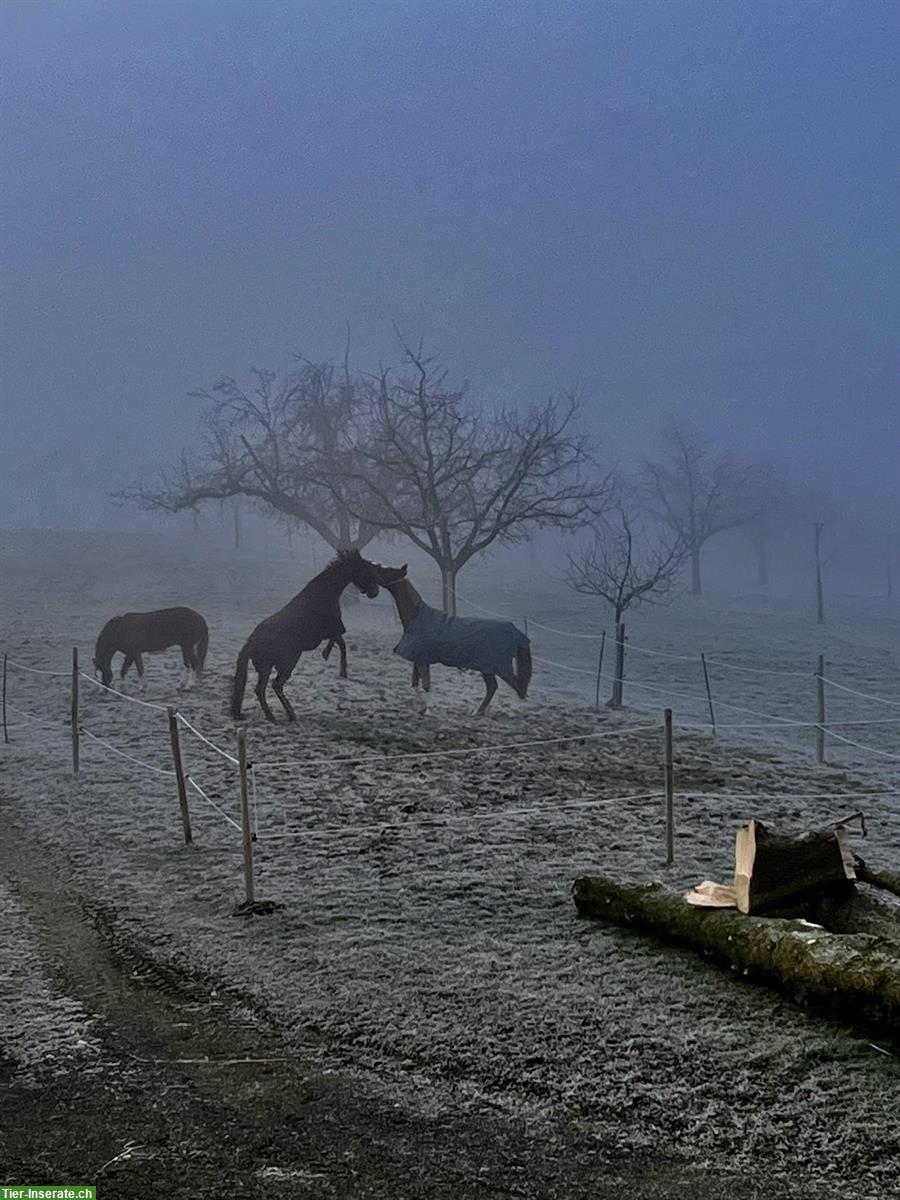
[
  {"x": 275, "y": 445},
  {"x": 698, "y": 491},
  {"x": 454, "y": 480},
  {"x": 626, "y": 566}
]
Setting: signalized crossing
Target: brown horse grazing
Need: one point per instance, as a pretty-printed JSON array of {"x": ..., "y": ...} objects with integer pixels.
[
  {"x": 135, "y": 634},
  {"x": 493, "y": 648},
  {"x": 313, "y": 616}
]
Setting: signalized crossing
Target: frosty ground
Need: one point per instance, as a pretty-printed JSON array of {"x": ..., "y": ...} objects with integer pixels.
[{"x": 435, "y": 1018}]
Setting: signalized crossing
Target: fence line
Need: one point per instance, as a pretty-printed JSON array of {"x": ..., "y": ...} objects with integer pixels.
[
  {"x": 863, "y": 745},
  {"x": 865, "y": 695},
  {"x": 374, "y": 759},
  {"x": 32, "y": 719},
  {"x": 439, "y": 821},
  {"x": 199, "y": 790},
  {"x": 35, "y": 670},
  {"x": 203, "y": 738},
  {"x": 121, "y": 695},
  {"x": 122, "y": 754}
]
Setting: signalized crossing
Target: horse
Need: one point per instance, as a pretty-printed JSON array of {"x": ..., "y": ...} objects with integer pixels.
[
  {"x": 493, "y": 648},
  {"x": 313, "y": 616},
  {"x": 138, "y": 633}
]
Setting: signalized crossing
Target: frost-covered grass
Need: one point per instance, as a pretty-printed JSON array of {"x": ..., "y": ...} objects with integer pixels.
[{"x": 428, "y": 937}]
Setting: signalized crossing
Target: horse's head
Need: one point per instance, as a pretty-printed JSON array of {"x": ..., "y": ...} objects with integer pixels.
[
  {"x": 361, "y": 572},
  {"x": 386, "y": 576},
  {"x": 103, "y": 654},
  {"x": 103, "y": 667}
]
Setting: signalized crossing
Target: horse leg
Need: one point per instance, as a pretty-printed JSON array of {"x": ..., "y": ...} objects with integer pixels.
[
  {"x": 126, "y": 663},
  {"x": 260, "y": 689},
  {"x": 342, "y": 646},
  {"x": 415, "y": 675},
  {"x": 327, "y": 651},
  {"x": 278, "y": 688},
  {"x": 139, "y": 663},
  {"x": 425, "y": 672},
  {"x": 490, "y": 683}
]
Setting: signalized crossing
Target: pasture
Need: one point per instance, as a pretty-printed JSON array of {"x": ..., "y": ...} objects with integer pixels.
[{"x": 426, "y": 944}]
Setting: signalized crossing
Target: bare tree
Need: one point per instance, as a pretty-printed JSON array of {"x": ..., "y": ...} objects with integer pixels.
[
  {"x": 454, "y": 480},
  {"x": 626, "y": 565},
  {"x": 274, "y": 445},
  {"x": 699, "y": 491}
]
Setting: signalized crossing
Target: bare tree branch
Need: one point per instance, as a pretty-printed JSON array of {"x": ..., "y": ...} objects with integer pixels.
[
  {"x": 275, "y": 444},
  {"x": 455, "y": 481},
  {"x": 698, "y": 492}
]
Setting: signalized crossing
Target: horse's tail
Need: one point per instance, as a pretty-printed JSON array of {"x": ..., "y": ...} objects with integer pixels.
[
  {"x": 201, "y": 648},
  {"x": 240, "y": 682},
  {"x": 523, "y": 669}
]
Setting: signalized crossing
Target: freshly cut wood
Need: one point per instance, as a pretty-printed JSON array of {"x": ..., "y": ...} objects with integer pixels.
[
  {"x": 856, "y": 973},
  {"x": 772, "y": 871},
  {"x": 775, "y": 872}
]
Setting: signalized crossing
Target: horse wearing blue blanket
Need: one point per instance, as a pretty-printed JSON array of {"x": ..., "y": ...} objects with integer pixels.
[{"x": 496, "y": 649}]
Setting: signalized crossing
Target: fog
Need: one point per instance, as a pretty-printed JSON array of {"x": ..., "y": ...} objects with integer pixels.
[{"x": 688, "y": 209}]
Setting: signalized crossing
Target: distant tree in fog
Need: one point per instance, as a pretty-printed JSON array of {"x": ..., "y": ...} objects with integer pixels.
[
  {"x": 817, "y": 512},
  {"x": 697, "y": 491},
  {"x": 765, "y": 525},
  {"x": 275, "y": 445},
  {"x": 820, "y": 592},
  {"x": 627, "y": 563},
  {"x": 454, "y": 480}
]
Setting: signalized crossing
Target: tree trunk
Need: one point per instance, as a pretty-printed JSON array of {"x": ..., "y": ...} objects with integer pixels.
[
  {"x": 236, "y": 519},
  {"x": 619, "y": 676},
  {"x": 448, "y": 590},
  {"x": 761, "y": 546},
  {"x": 696, "y": 578},
  {"x": 820, "y": 596},
  {"x": 856, "y": 973}
]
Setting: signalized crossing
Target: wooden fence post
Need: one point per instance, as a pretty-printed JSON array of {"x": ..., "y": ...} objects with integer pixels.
[
  {"x": 712, "y": 711},
  {"x": 5, "y": 730},
  {"x": 245, "y": 817},
  {"x": 76, "y": 745},
  {"x": 820, "y": 705},
  {"x": 175, "y": 739},
  {"x": 599, "y": 671},
  {"x": 670, "y": 790}
]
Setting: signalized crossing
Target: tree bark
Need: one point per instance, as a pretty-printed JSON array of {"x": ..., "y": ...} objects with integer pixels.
[
  {"x": 236, "y": 519},
  {"x": 696, "y": 577},
  {"x": 855, "y": 973},
  {"x": 448, "y": 590},
  {"x": 761, "y": 546},
  {"x": 820, "y": 595},
  {"x": 619, "y": 676}
]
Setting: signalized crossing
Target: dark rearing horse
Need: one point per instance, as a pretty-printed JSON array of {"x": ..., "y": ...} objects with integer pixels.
[
  {"x": 312, "y": 617},
  {"x": 140, "y": 633}
]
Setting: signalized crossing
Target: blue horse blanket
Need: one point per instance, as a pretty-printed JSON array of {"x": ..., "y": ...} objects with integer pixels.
[{"x": 469, "y": 643}]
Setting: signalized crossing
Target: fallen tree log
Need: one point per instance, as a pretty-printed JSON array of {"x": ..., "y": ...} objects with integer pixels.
[{"x": 852, "y": 973}]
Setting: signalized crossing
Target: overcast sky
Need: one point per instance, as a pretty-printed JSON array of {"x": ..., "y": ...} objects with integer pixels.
[{"x": 690, "y": 207}]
